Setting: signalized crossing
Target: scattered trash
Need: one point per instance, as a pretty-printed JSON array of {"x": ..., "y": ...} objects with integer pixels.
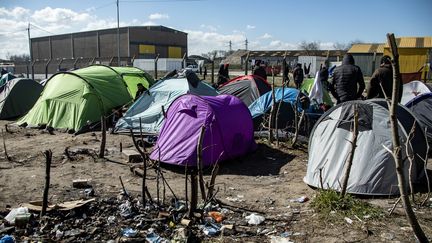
[
  {"x": 155, "y": 238},
  {"x": 348, "y": 220},
  {"x": 279, "y": 239},
  {"x": 7, "y": 239},
  {"x": 125, "y": 209},
  {"x": 59, "y": 234},
  {"x": 129, "y": 232},
  {"x": 89, "y": 192},
  {"x": 238, "y": 198},
  {"x": 301, "y": 199},
  {"x": 111, "y": 219},
  {"x": 81, "y": 183},
  {"x": 286, "y": 234},
  {"x": 17, "y": 212},
  {"x": 211, "y": 229},
  {"x": 255, "y": 219},
  {"x": 218, "y": 217},
  {"x": 37, "y": 205}
]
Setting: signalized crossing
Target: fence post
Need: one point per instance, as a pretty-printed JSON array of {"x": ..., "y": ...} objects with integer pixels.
[{"x": 155, "y": 66}]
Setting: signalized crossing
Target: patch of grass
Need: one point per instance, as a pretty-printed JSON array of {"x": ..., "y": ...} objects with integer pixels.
[{"x": 329, "y": 201}]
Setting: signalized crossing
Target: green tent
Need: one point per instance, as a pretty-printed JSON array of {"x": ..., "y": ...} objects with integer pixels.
[
  {"x": 307, "y": 86},
  {"x": 74, "y": 100},
  {"x": 18, "y": 96},
  {"x": 132, "y": 76}
]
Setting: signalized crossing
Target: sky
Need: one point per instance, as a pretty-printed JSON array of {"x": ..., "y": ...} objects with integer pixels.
[{"x": 212, "y": 24}]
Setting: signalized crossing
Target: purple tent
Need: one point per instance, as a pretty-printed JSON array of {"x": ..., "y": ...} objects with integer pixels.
[{"x": 228, "y": 130}]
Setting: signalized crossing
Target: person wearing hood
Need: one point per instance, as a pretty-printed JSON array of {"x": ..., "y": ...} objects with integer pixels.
[
  {"x": 223, "y": 74},
  {"x": 260, "y": 71},
  {"x": 298, "y": 75},
  {"x": 348, "y": 83},
  {"x": 381, "y": 83}
]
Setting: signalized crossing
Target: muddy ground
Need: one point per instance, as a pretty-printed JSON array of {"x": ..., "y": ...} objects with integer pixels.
[{"x": 265, "y": 181}]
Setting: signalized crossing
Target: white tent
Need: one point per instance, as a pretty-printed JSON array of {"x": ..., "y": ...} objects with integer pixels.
[
  {"x": 414, "y": 89},
  {"x": 373, "y": 169}
]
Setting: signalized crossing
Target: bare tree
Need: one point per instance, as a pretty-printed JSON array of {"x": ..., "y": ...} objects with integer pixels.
[
  {"x": 18, "y": 57},
  {"x": 346, "y": 46},
  {"x": 310, "y": 46},
  {"x": 397, "y": 148}
]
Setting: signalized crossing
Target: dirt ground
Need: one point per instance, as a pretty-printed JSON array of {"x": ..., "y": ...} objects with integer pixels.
[{"x": 265, "y": 181}]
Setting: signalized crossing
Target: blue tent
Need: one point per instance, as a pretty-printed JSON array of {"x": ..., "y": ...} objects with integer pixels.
[
  {"x": 421, "y": 107},
  {"x": 260, "y": 108}
]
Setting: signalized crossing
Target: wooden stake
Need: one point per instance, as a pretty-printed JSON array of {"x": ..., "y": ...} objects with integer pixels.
[
  {"x": 397, "y": 152},
  {"x": 194, "y": 193},
  {"x": 103, "y": 139},
  {"x": 281, "y": 101},
  {"x": 200, "y": 163},
  {"x": 48, "y": 158},
  {"x": 144, "y": 186},
  {"x": 272, "y": 110},
  {"x": 351, "y": 154}
]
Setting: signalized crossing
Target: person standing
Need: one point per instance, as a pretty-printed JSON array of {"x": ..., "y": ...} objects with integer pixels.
[
  {"x": 298, "y": 75},
  {"x": 323, "y": 76},
  {"x": 205, "y": 72},
  {"x": 260, "y": 71},
  {"x": 348, "y": 83},
  {"x": 381, "y": 83}
]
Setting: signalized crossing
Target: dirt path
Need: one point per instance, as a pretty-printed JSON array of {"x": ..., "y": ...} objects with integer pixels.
[{"x": 266, "y": 181}]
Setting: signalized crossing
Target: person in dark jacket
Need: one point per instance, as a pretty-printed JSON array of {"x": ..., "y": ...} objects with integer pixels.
[
  {"x": 140, "y": 91},
  {"x": 260, "y": 71},
  {"x": 381, "y": 83},
  {"x": 223, "y": 74},
  {"x": 323, "y": 76},
  {"x": 348, "y": 83},
  {"x": 298, "y": 75}
]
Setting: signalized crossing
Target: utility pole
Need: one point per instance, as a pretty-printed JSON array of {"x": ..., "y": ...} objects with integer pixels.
[
  {"x": 246, "y": 44},
  {"x": 230, "y": 46},
  {"x": 30, "y": 47},
  {"x": 118, "y": 34}
]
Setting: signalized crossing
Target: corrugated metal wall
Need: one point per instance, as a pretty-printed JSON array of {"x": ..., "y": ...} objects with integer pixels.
[
  {"x": 410, "y": 59},
  {"x": 365, "y": 62}
]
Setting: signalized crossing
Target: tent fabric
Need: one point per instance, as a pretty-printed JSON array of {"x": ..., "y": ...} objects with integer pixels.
[
  {"x": 260, "y": 108},
  {"x": 413, "y": 89},
  {"x": 421, "y": 107},
  {"x": 150, "y": 106},
  {"x": 248, "y": 88},
  {"x": 228, "y": 130},
  {"x": 74, "y": 100},
  {"x": 315, "y": 90},
  {"x": 18, "y": 96},
  {"x": 133, "y": 76},
  {"x": 373, "y": 169},
  {"x": 6, "y": 78}
]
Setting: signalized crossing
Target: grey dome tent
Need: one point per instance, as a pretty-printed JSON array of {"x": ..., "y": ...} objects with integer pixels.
[
  {"x": 18, "y": 96},
  {"x": 373, "y": 169},
  {"x": 155, "y": 101},
  {"x": 421, "y": 107}
]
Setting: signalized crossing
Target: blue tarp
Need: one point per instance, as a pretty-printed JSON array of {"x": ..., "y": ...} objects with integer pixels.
[{"x": 263, "y": 104}]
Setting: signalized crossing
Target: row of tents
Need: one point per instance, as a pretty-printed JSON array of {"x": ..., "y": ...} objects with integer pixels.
[{"x": 180, "y": 108}]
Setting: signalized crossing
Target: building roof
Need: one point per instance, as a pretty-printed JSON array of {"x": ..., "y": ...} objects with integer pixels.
[
  {"x": 150, "y": 27},
  {"x": 413, "y": 42},
  {"x": 367, "y": 48},
  {"x": 296, "y": 53}
]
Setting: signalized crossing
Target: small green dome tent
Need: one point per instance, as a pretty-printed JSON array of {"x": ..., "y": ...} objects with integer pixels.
[
  {"x": 133, "y": 76},
  {"x": 73, "y": 100}
]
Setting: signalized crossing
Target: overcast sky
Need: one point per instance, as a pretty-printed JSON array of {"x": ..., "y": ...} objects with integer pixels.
[{"x": 211, "y": 24}]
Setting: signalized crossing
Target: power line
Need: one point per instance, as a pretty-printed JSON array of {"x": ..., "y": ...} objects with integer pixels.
[
  {"x": 40, "y": 28},
  {"x": 149, "y": 1}
]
